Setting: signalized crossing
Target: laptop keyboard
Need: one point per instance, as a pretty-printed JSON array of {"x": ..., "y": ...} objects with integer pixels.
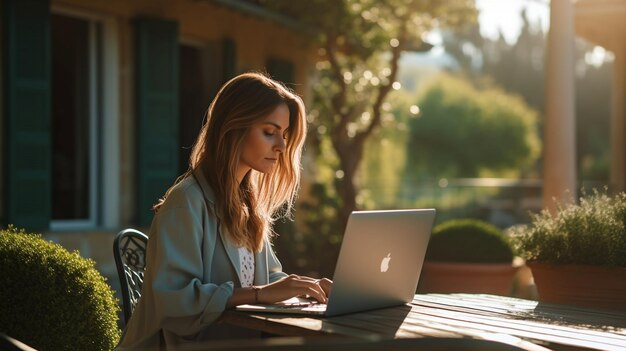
[
  {"x": 301, "y": 303},
  {"x": 309, "y": 305}
]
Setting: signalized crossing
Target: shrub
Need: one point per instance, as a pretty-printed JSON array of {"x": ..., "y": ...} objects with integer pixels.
[
  {"x": 469, "y": 240},
  {"x": 52, "y": 299},
  {"x": 453, "y": 115},
  {"x": 590, "y": 233}
]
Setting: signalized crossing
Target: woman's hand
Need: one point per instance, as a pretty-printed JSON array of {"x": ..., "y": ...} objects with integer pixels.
[
  {"x": 295, "y": 285},
  {"x": 286, "y": 288}
]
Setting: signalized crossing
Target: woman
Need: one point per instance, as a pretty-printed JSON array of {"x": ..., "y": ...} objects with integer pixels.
[{"x": 209, "y": 246}]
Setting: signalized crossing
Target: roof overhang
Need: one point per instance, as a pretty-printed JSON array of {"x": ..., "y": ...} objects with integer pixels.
[
  {"x": 262, "y": 13},
  {"x": 602, "y": 22}
]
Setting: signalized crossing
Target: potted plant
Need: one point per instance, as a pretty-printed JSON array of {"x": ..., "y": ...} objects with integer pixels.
[
  {"x": 468, "y": 255},
  {"x": 578, "y": 254}
]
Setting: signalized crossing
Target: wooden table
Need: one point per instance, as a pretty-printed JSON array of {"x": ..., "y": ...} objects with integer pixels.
[{"x": 522, "y": 323}]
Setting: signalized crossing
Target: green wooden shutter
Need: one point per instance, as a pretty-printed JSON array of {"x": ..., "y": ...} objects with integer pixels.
[
  {"x": 27, "y": 102},
  {"x": 281, "y": 70},
  {"x": 157, "y": 112},
  {"x": 229, "y": 59}
]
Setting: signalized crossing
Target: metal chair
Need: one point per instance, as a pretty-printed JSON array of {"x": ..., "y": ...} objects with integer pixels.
[
  {"x": 7, "y": 343},
  {"x": 129, "y": 251}
]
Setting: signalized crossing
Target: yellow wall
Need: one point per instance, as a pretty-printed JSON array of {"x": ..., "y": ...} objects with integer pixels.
[{"x": 202, "y": 23}]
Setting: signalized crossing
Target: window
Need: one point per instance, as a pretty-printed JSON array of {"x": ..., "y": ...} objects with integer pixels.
[
  {"x": 62, "y": 116},
  {"x": 194, "y": 99},
  {"x": 74, "y": 119},
  {"x": 84, "y": 128}
]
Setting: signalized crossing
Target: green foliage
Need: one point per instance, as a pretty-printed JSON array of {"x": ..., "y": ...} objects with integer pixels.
[
  {"x": 360, "y": 44},
  {"x": 52, "y": 299},
  {"x": 462, "y": 131},
  {"x": 469, "y": 240},
  {"x": 313, "y": 250},
  {"x": 591, "y": 233},
  {"x": 518, "y": 68},
  {"x": 384, "y": 158},
  {"x": 364, "y": 28}
]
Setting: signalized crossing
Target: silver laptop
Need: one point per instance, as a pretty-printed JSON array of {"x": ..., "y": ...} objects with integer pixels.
[{"x": 379, "y": 264}]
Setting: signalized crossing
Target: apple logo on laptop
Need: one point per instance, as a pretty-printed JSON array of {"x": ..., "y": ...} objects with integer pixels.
[{"x": 384, "y": 264}]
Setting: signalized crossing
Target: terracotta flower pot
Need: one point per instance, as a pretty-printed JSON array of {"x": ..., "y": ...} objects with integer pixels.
[
  {"x": 451, "y": 277},
  {"x": 587, "y": 286}
]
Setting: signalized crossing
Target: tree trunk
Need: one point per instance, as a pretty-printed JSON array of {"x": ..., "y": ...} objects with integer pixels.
[
  {"x": 350, "y": 149},
  {"x": 350, "y": 156}
]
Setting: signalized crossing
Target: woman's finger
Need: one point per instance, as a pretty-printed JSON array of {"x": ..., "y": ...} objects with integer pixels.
[
  {"x": 326, "y": 285},
  {"x": 294, "y": 285},
  {"x": 316, "y": 294},
  {"x": 306, "y": 286}
]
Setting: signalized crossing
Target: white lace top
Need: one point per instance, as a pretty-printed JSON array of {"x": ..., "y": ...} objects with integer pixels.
[{"x": 246, "y": 262}]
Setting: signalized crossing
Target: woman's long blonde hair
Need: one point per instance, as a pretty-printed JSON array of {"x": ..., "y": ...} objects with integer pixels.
[{"x": 249, "y": 208}]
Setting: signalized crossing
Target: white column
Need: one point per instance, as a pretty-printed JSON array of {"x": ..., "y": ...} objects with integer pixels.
[
  {"x": 559, "y": 159},
  {"x": 618, "y": 122}
]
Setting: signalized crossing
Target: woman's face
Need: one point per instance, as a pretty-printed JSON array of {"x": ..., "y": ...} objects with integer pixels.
[{"x": 264, "y": 142}]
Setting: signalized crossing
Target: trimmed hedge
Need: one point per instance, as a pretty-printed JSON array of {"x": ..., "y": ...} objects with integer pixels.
[
  {"x": 469, "y": 240},
  {"x": 52, "y": 299}
]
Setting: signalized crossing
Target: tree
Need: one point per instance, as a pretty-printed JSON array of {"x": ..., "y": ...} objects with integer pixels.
[
  {"x": 519, "y": 69},
  {"x": 462, "y": 131},
  {"x": 361, "y": 42}
]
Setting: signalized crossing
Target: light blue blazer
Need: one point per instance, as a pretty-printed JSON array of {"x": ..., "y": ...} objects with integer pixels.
[{"x": 191, "y": 271}]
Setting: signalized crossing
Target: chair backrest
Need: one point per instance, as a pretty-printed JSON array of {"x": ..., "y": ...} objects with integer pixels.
[
  {"x": 129, "y": 251},
  {"x": 7, "y": 343}
]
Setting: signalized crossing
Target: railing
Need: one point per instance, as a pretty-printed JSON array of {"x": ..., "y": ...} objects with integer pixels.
[{"x": 503, "y": 202}]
